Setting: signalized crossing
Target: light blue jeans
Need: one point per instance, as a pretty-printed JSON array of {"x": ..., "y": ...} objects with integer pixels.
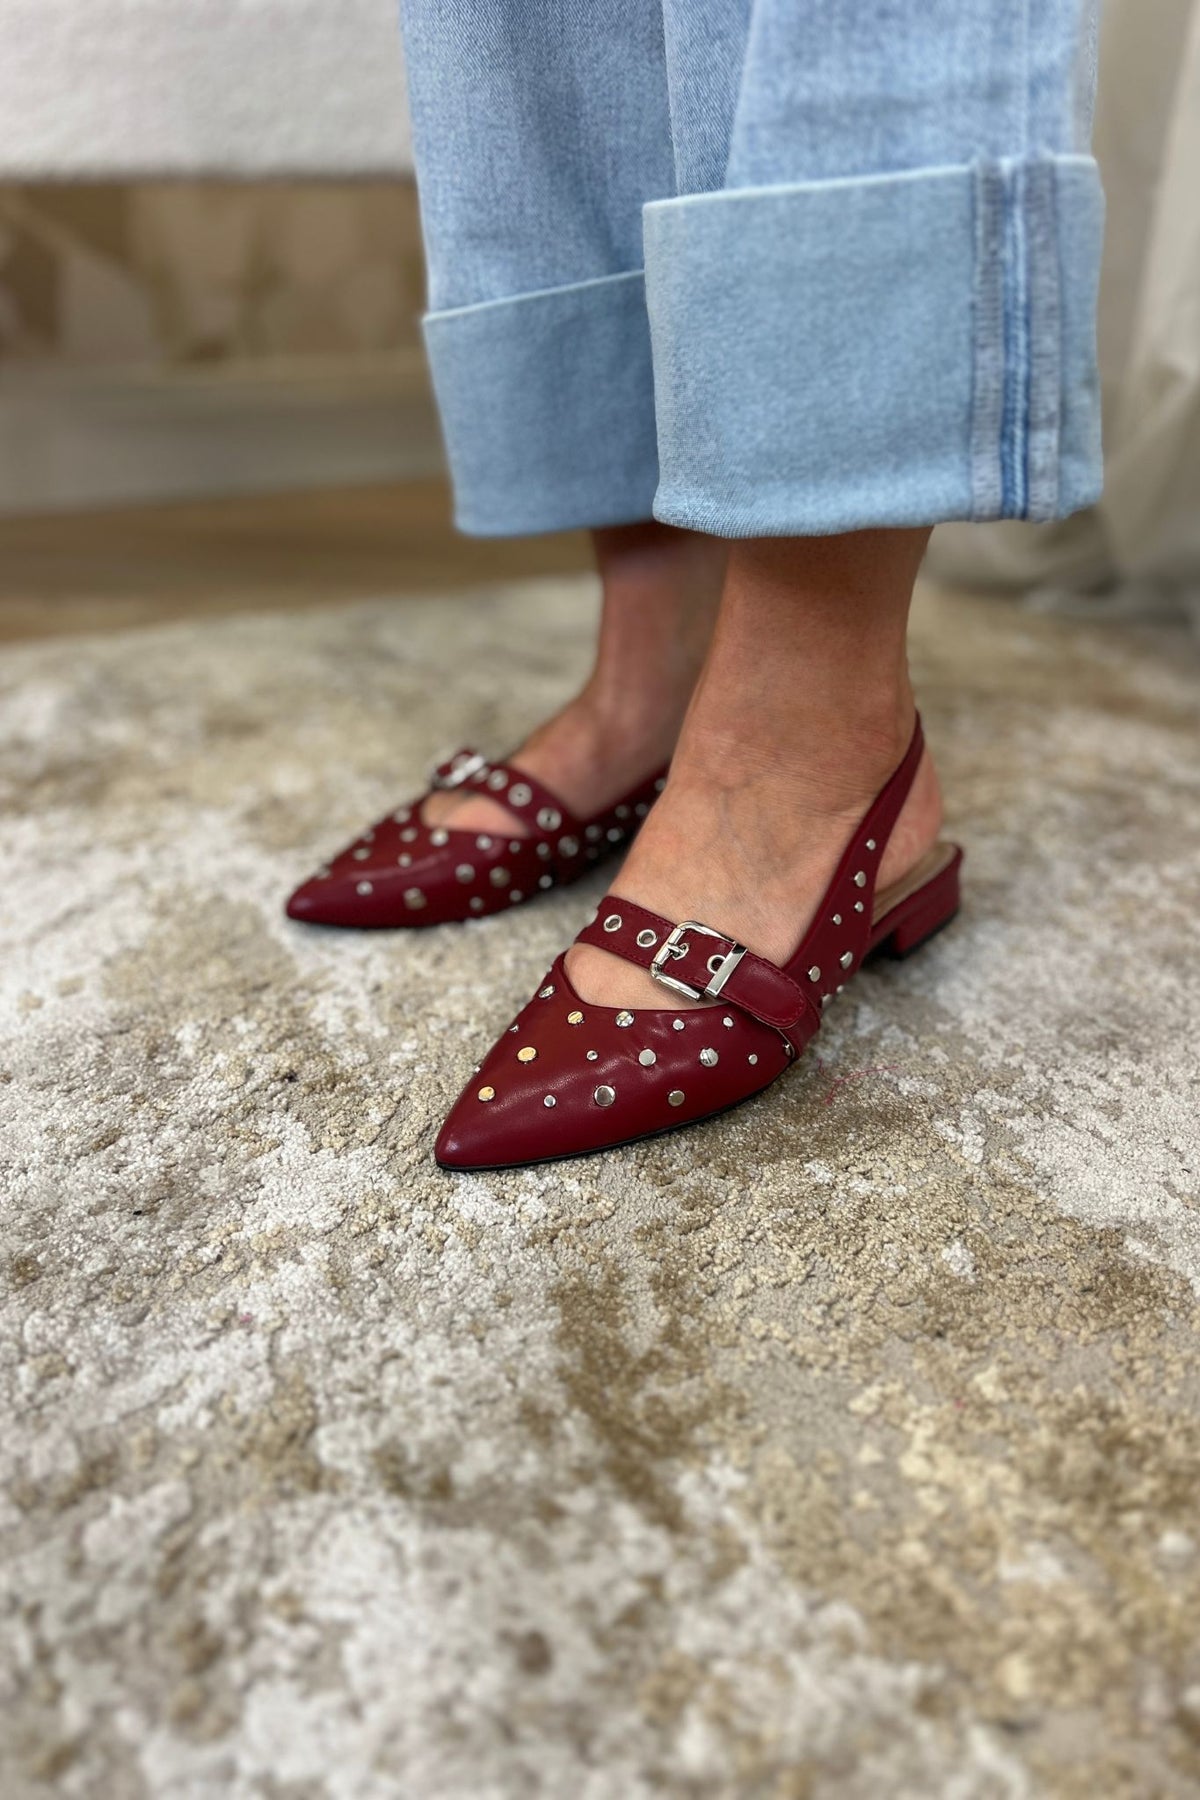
[{"x": 760, "y": 267}]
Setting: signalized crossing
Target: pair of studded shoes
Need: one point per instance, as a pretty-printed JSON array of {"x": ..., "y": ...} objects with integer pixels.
[{"x": 570, "y": 1077}]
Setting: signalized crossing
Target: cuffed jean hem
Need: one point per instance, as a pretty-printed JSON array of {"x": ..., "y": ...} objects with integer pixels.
[
  {"x": 547, "y": 407},
  {"x": 897, "y": 350}
]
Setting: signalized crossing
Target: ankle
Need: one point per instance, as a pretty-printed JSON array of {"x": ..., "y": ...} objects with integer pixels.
[{"x": 836, "y": 757}]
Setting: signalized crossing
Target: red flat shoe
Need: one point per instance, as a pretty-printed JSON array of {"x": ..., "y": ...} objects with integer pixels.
[
  {"x": 569, "y": 1077},
  {"x": 405, "y": 872}
]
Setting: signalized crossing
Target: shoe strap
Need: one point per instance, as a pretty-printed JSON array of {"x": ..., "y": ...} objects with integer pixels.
[
  {"x": 839, "y": 937},
  {"x": 701, "y": 962},
  {"x": 707, "y": 964},
  {"x": 523, "y": 795}
]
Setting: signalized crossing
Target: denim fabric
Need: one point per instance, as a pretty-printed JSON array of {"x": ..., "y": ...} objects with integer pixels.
[{"x": 760, "y": 266}]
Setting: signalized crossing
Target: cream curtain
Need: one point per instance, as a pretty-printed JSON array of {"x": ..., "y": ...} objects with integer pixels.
[{"x": 1140, "y": 548}]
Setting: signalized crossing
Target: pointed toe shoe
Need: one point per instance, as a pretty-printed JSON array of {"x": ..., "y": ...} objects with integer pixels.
[
  {"x": 569, "y": 1077},
  {"x": 405, "y": 872}
]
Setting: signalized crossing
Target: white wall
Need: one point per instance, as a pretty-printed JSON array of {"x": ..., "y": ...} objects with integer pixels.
[{"x": 102, "y": 88}]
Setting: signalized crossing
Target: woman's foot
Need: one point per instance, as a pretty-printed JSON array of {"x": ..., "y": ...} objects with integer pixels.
[
  {"x": 661, "y": 591},
  {"x": 750, "y": 852},
  {"x": 772, "y": 776},
  {"x": 491, "y": 836}
]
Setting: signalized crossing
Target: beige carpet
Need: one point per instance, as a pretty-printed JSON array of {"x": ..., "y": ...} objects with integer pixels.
[{"x": 847, "y": 1448}]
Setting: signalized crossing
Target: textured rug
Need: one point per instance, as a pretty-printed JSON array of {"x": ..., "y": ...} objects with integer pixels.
[{"x": 846, "y": 1448}]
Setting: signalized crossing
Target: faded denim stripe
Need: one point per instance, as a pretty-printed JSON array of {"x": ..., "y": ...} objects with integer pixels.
[{"x": 987, "y": 396}]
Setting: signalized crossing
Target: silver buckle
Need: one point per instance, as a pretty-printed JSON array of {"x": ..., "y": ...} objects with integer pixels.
[
  {"x": 672, "y": 947},
  {"x": 461, "y": 769}
]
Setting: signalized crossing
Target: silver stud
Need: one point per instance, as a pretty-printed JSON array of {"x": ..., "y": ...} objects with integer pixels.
[
  {"x": 575, "y": 1018},
  {"x": 549, "y": 818},
  {"x": 624, "y": 1018},
  {"x": 659, "y": 785},
  {"x": 727, "y": 1021},
  {"x": 677, "y": 1024},
  {"x": 365, "y": 887},
  {"x": 646, "y": 939},
  {"x": 475, "y": 903},
  {"x": 546, "y": 992},
  {"x": 614, "y": 836},
  {"x": 839, "y": 987},
  {"x": 860, "y": 879},
  {"x": 752, "y": 1059},
  {"x": 487, "y": 1093},
  {"x": 520, "y": 794},
  {"x": 543, "y": 851},
  {"x": 515, "y": 896},
  {"x": 545, "y": 881},
  {"x": 549, "y": 1100},
  {"x": 613, "y": 922},
  {"x": 675, "y": 1097},
  {"x": 870, "y": 843},
  {"x": 402, "y": 817},
  {"x": 528, "y": 1054},
  {"x": 846, "y": 959},
  {"x": 439, "y": 837},
  {"x": 514, "y": 1028},
  {"x": 404, "y": 859},
  {"x": 497, "y": 780},
  {"x": 604, "y": 1096},
  {"x": 483, "y": 842},
  {"x": 361, "y": 855},
  {"x": 837, "y": 918},
  {"x": 622, "y": 812},
  {"x": 514, "y": 845},
  {"x": 858, "y": 906},
  {"x": 709, "y": 1058},
  {"x": 465, "y": 872},
  {"x": 593, "y": 1056},
  {"x": 641, "y": 809},
  {"x": 568, "y": 846},
  {"x": 647, "y": 1058},
  {"x": 409, "y": 836},
  {"x": 499, "y": 878},
  {"x": 414, "y": 899},
  {"x": 593, "y": 832},
  {"x": 814, "y": 974}
]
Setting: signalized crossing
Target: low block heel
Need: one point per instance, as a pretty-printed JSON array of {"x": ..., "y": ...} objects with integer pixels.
[{"x": 922, "y": 915}]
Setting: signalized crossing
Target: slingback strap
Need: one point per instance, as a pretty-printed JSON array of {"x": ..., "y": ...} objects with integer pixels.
[
  {"x": 701, "y": 962},
  {"x": 839, "y": 936},
  {"x": 529, "y": 799}
]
